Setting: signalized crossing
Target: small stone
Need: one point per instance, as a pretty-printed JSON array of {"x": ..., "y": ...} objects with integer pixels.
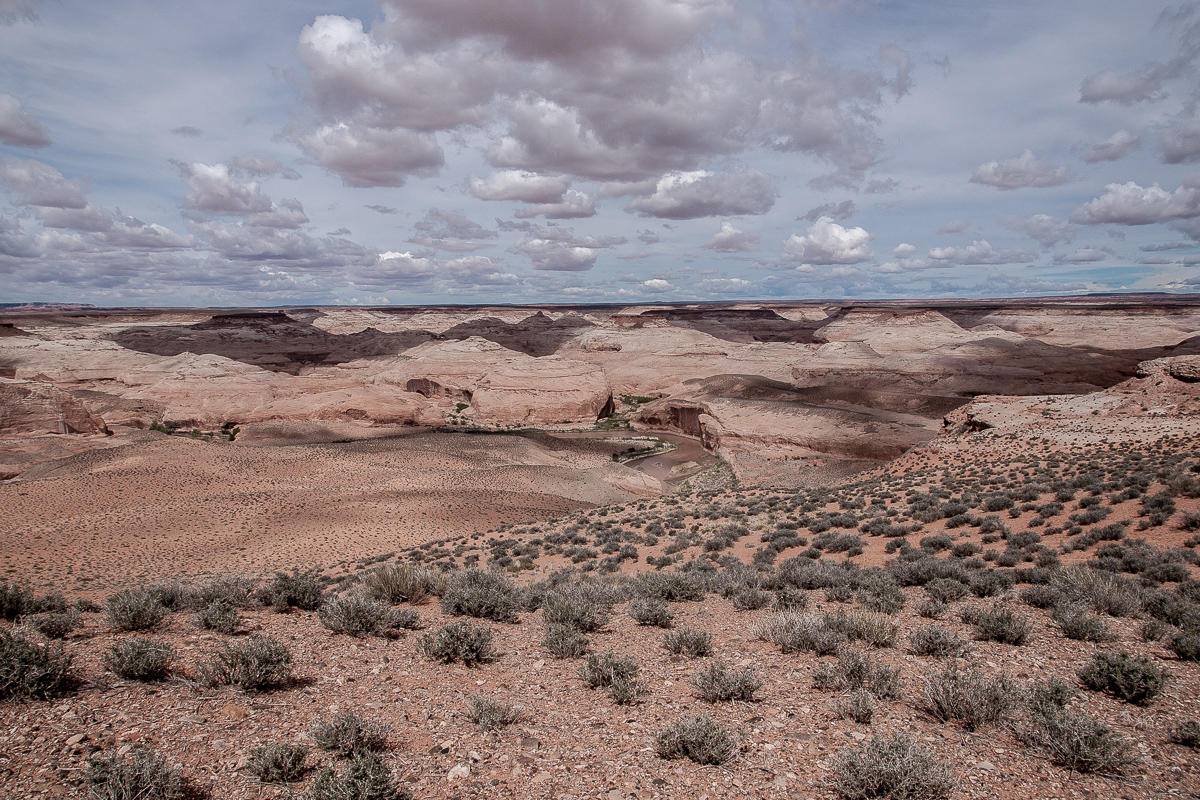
[
  {"x": 541, "y": 662},
  {"x": 194, "y": 719},
  {"x": 541, "y": 777},
  {"x": 124, "y": 749},
  {"x": 530, "y": 742},
  {"x": 985, "y": 765},
  {"x": 781, "y": 782},
  {"x": 76, "y": 739},
  {"x": 615, "y": 794},
  {"x": 458, "y": 771},
  {"x": 858, "y": 736},
  {"x": 235, "y": 713}
]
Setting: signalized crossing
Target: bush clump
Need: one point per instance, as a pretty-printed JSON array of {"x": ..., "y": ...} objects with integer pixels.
[
  {"x": 278, "y": 763},
  {"x": 574, "y": 605},
  {"x": 142, "y": 774},
  {"x": 300, "y": 590},
  {"x": 459, "y": 641},
  {"x": 651, "y": 611},
  {"x": 715, "y": 683},
  {"x": 491, "y": 714},
  {"x": 934, "y": 640},
  {"x": 688, "y": 642},
  {"x": 134, "y": 610},
  {"x": 947, "y": 590},
  {"x": 347, "y": 733},
  {"x": 55, "y": 624},
  {"x": 971, "y": 697},
  {"x": 367, "y": 777},
  {"x": 671, "y": 586},
  {"x": 1186, "y": 733},
  {"x": 891, "y": 767},
  {"x": 1076, "y": 623},
  {"x": 1081, "y": 743},
  {"x": 563, "y": 641},
  {"x": 854, "y": 670},
  {"x": 140, "y": 659},
  {"x": 1133, "y": 679},
  {"x": 697, "y": 737},
  {"x": 1002, "y": 624},
  {"x": 359, "y": 615},
  {"x": 220, "y": 616},
  {"x": 400, "y": 583},
  {"x": 616, "y": 674},
  {"x": 483, "y": 595},
  {"x": 30, "y": 669},
  {"x": 257, "y": 664}
]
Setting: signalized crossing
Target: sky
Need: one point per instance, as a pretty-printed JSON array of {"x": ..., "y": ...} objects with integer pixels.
[{"x": 371, "y": 152}]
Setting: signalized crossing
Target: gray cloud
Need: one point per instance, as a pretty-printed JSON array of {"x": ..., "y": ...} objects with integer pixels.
[
  {"x": 731, "y": 240},
  {"x": 1083, "y": 255},
  {"x": 449, "y": 225},
  {"x": 841, "y": 211},
  {"x": 1181, "y": 145},
  {"x": 1114, "y": 147},
  {"x": 13, "y": 10},
  {"x": 38, "y": 184},
  {"x": 551, "y": 248},
  {"x": 1146, "y": 83},
  {"x": 1132, "y": 204},
  {"x": 690, "y": 195},
  {"x": 378, "y": 209},
  {"x": 188, "y": 131},
  {"x": 1025, "y": 171},
  {"x": 18, "y": 128},
  {"x": 363, "y": 155},
  {"x": 1163, "y": 246},
  {"x": 980, "y": 252},
  {"x": 958, "y": 226},
  {"x": 573, "y": 205},
  {"x": 1044, "y": 228},
  {"x": 526, "y": 187}
]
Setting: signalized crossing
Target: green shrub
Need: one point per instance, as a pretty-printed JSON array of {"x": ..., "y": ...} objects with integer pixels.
[
  {"x": 347, "y": 733},
  {"x": 715, "y": 682},
  {"x": 257, "y": 664},
  {"x": 671, "y": 586},
  {"x": 29, "y": 669},
  {"x": 367, "y": 777},
  {"x": 947, "y": 590},
  {"x": 934, "y": 640},
  {"x": 563, "y": 641},
  {"x": 140, "y": 659},
  {"x": 688, "y": 642},
  {"x": 1002, "y": 624},
  {"x": 220, "y": 616},
  {"x": 1186, "y": 645},
  {"x": 1133, "y": 679},
  {"x": 750, "y": 599},
  {"x": 142, "y": 775},
  {"x": 484, "y": 595},
  {"x": 1081, "y": 743},
  {"x": 1186, "y": 733},
  {"x": 278, "y": 763},
  {"x": 1041, "y": 596},
  {"x": 971, "y": 697},
  {"x": 135, "y": 610},
  {"x": 855, "y": 670},
  {"x": 574, "y": 605},
  {"x": 891, "y": 767},
  {"x": 399, "y": 583},
  {"x": 1048, "y": 697},
  {"x": 651, "y": 611},
  {"x": 697, "y": 737},
  {"x": 359, "y": 615},
  {"x": 491, "y": 714},
  {"x": 55, "y": 625},
  {"x": 300, "y": 590},
  {"x": 1078, "y": 624},
  {"x": 459, "y": 641}
]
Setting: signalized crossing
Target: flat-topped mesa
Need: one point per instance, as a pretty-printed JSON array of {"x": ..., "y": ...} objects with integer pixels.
[{"x": 33, "y": 407}]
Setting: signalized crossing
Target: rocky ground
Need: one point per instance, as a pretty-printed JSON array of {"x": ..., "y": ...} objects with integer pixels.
[{"x": 1075, "y": 514}]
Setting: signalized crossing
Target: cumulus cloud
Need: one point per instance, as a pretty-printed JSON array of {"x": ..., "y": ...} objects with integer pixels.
[
  {"x": 731, "y": 240},
  {"x": 573, "y": 205},
  {"x": 1045, "y": 229},
  {"x": 829, "y": 243},
  {"x": 1023, "y": 172},
  {"x": 904, "y": 250},
  {"x": 625, "y": 90},
  {"x": 217, "y": 192},
  {"x": 956, "y": 227},
  {"x": 1133, "y": 204},
  {"x": 555, "y": 249},
  {"x": 114, "y": 229},
  {"x": 980, "y": 252},
  {"x": 447, "y": 230},
  {"x": 264, "y": 167},
  {"x": 371, "y": 156},
  {"x": 840, "y": 211},
  {"x": 1083, "y": 255},
  {"x": 41, "y": 185},
  {"x": 657, "y": 285},
  {"x": 18, "y": 128},
  {"x": 690, "y": 195},
  {"x": 1114, "y": 147},
  {"x": 515, "y": 184}
]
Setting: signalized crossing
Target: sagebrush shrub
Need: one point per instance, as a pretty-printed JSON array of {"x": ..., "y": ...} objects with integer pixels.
[
  {"x": 715, "y": 682},
  {"x": 1081, "y": 743},
  {"x": 891, "y": 767},
  {"x": 1077, "y": 623},
  {"x": 688, "y": 642},
  {"x": 971, "y": 697},
  {"x": 30, "y": 669},
  {"x": 1041, "y": 596},
  {"x": 400, "y": 583},
  {"x": 491, "y": 714},
  {"x": 220, "y": 616},
  {"x": 359, "y": 615},
  {"x": 1186, "y": 645},
  {"x": 278, "y": 763},
  {"x": 140, "y": 659},
  {"x": 300, "y": 590},
  {"x": 1002, "y": 624},
  {"x": 618, "y": 675},
  {"x": 142, "y": 774},
  {"x": 671, "y": 586},
  {"x": 855, "y": 669},
  {"x": 366, "y": 777},
  {"x": 347, "y": 733},
  {"x": 576, "y": 606},
  {"x": 480, "y": 594},
  {"x": 651, "y": 611},
  {"x": 697, "y": 737},
  {"x": 751, "y": 599},
  {"x": 55, "y": 625},
  {"x": 256, "y": 664},
  {"x": 459, "y": 641},
  {"x": 234, "y": 590},
  {"x": 1186, "y": 733},
  {"x": 934, "y": 640},
  {"x": 1133, "y": 679},
  {"x": 858, "y": 706},
  {"x": 563, "y": 641},
  {"x": 135, "y": 610}
]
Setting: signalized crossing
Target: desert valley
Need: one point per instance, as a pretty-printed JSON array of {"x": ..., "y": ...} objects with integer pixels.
[{"x": 953, "y": 540}]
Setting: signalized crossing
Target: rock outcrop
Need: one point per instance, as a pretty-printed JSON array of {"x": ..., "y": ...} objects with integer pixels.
[{"x": 33, "y": 407}]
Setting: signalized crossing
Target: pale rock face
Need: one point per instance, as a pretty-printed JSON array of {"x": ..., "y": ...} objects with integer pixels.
[
  {"x": 887, "y": 332},
  {"x": 33, "y": 407}
]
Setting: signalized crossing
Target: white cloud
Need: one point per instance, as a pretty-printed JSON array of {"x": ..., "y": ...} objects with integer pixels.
[
  {"x": 1132, "y": 204},
  {"x": 1114, "y": 147},
  {"x": 731, "y": 240},
  {"x": 1025, "y": 171},
  {"x": 1082, "y": 255},
  {"x": 515, "y": 184},
  {"x": 573, "y": 205},
  {"x": 556, "y": 256},
  {"x": 904, "y": 250},
  {"x": 1134, "y": 87},
  {"x": 370, "y": 156},
  {"x": 216, "y": 191},
  {"x": 657, "y": 285},
  {"x": 18, "y": 128},
  {"x": 41, "y": 185},
  {"x": 980, "y": 252},
  {"x": 1044, "y": 228},
  {"x": 829, "y": 243},
  {"x": 690, "y": 195}
]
